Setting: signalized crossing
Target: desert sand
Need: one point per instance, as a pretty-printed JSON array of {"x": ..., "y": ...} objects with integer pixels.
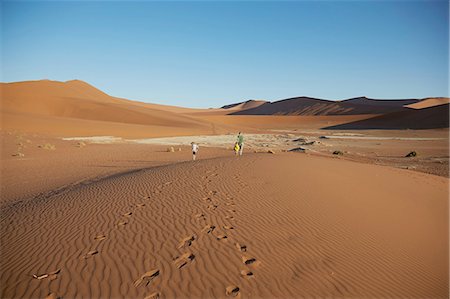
[
  {"x": 132, "y": 216},
  {"x": 283, "y": 225}
]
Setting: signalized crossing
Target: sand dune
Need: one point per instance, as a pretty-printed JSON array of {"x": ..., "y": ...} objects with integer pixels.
[
  {"x": 77, "y": 99},
  {"x": 433, "y": 117},
  {"x": 244, "y": 105},
  {"x": 312, "y": 106},
  {"x": 136, "y": 221},
  {"x": 225, "y": 226},
  {"x": 75, "y": 106},
  {"x": 386, "y": 102},
  {"x": 429, "y": 102}
]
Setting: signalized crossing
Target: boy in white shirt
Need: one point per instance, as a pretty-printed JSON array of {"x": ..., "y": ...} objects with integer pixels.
[{"x": 194, "y": 150}]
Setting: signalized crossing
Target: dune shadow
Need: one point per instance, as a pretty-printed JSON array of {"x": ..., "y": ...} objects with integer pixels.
[{"x": 436, "y": 117}]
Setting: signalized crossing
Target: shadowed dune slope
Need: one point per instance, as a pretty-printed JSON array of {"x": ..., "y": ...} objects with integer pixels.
[
  {"x": 384, "y": 103},
  {"x": 312, "y": 106},
  {"x": 434, "y": 117},
  {"x": 262, "y": 226}
]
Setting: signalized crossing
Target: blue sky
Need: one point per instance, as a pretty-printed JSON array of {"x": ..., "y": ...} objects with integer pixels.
[{"x": 207, "y": 54}]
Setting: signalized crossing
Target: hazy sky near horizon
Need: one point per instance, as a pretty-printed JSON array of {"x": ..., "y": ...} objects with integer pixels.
[{"x": 208, "y": 54}]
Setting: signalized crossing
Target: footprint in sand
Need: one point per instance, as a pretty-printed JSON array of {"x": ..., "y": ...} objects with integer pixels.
[
  {"x": 246, "y": 273},
  {"x": 122, "y": 223},
  {"x": 250, "y": 261},
  {"x": 221, "y": 237},
  {"x": 155, "y": 295},
  {"x": 51, "y": 276},
  {"x": 228, "y": 227},
  {"x": 90, "y": 254},
  {"x": 232, "y": 210},
  {"x": 200, "y": 216},
  {"x": 230, "y": 204},
  {"x": 100, "y": 237},
  {"x": 213, "y": 192},
  {"x": 146, "y": 278},
  {"x": 208, "y": 229},
  {"x": 208, "y": 199},
  {"x": 140, "y": 205},
  {"x": 127, "y": 214},
  {"x": 232, "y": 291},
  {"x": 182, "y": 260},
  {"x": 212, "y": 207},
  {"x": 241, "y": 247},
  {"x": 186, "y": 242},
  {"x": 53, "y": 296},
  {"x": 229, "y": 217}
]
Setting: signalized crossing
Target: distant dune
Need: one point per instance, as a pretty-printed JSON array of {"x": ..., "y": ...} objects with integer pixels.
[
  {"x": 384, "y": 103},
  {"x": 77, "y": 99},
  {"x": 433, "y": 117},
  {"x": 75, "y": 107},
  {"x": 313, "y": 106},
  {"x": 245, "y": 105},
  {"x": 429, "y": 102}
]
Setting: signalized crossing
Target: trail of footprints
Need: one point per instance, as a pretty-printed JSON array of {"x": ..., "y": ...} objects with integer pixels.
[
  {"x": 187, "y": 257},
  {"x": 247, "y": 260}
]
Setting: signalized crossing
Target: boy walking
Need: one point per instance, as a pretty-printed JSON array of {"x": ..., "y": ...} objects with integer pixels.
[
  {"x": 240, "y": 141},
  {"x": 194, "y": 150}
]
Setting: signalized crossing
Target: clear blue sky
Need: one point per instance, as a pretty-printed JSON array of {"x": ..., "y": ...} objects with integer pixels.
[{"x": 207, "y": 54}]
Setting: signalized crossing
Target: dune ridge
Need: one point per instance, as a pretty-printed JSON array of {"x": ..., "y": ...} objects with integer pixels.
[
  {"x": 76, "y": 108},
  {"x": 313, "y": 106},
  {"x": 429, "y": 102},
  {"x": 192, "y": 229}
]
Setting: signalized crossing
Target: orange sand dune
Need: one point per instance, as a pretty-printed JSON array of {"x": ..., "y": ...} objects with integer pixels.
[
  {"x": 429, "y": 102},
  {"x": 76, "y": 99},
  {"x": 75, "y": 108},
  {"x": 260, "y": 226},
  {"x": 244, "y": 105}
]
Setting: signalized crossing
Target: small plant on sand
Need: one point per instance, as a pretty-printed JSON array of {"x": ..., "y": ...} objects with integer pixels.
[
  {"x": 170, "y": 149},
  {"x": 339, "y": 153},
  {"x": 411, "y": 154}
]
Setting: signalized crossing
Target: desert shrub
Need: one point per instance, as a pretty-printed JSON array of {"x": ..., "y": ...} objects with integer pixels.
[{"x": 411, "y": 154}]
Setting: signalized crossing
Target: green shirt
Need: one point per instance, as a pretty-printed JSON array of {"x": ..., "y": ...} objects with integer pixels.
[{"x": 240, "y": 139}]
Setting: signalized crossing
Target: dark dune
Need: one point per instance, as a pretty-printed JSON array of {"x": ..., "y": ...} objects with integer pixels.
[
  {"x": 376, "y": 102},
  {"x": 313, "y": 106},
  {"x": 418, "y": 119}
]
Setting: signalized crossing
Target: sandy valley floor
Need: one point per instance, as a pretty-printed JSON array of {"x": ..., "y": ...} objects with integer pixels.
[{"x": 133, "y": 220}]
